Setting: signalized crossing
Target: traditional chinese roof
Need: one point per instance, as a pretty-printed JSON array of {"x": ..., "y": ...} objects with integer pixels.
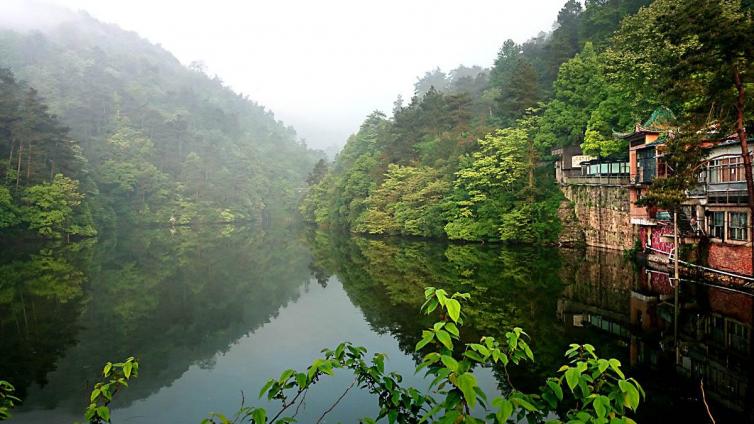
[{"x": 661, "y": 120}]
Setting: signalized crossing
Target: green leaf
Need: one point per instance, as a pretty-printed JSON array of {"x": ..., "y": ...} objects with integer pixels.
[
  {"x": 479, "y": 348},
  {"x": 106, "y": 370},
  {"x": 599, "y": 404},
  {"x": 527, "y": 350},
  {"x": 467, "y": 382},
  {"x": 441, "y": 296},
  {"x": 631, "y": 399},
  {"x": 572, "y": 377},
  {"x": 454, "y": 309},
  {"x": 94, "y": 395},
  {"x": 452, "y": 329},
  {"x": 473, "y": 355},
  {"x": 104, "y": 413},
  {"x": 450, "y": 362},
  {"x": 127, "y": 369},
  {"x": 301, "y": 379},
  {"x": 638, "y": 387},
  {"x": 555, "y": 387},
  {"x": 444, "y": 338},
  {"x": 505, "y": 409},
  {"x": 615, "y": 366},
  {"x": 259, "y": 416},
  {"x": 423, "y": 342},
  {"x": 524, "y": 403},
  {"x": 266, "y": 387},
  {"x": 285, "y": 375}
]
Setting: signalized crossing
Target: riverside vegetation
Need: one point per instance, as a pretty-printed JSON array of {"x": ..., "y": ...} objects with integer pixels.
[
  {"x": 468, "y": 157},
  {"x": 100, "y": 128},
  {"x": 587, "y": 389},
  {"x": 108, "y": 130}
]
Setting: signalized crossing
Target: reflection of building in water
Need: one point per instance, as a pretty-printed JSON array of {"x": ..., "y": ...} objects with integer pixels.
[
  {"x": 598, "y": 286},
  {"x": 715, "y": 343},
  {"x": 637, "y": 309}
]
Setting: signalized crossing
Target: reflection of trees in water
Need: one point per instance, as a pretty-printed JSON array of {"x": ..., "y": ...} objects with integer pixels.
[
  {"x": 509, "y": 287},
  {"x": 41, "y": 297},
  {"x": 635, "y": 311},
  {"x": 171, "y": 300}
]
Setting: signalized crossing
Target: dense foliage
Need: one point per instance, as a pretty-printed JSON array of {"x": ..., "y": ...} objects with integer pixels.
[
  {"x": 472, "y": 147},
  {"x": 158, "y": 141},
  {"x": 466, "y": 159},
  {"x": 39, "y": 186}
]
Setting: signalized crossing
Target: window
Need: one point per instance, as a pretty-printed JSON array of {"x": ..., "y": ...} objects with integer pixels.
[
  {"x": 717, "y": 224},
  {"x": 738, "y": 336},
  {"x": 647, "y": 164},
  {"x": 726, "y": 170},
  {"x": 737, "y": 225}
]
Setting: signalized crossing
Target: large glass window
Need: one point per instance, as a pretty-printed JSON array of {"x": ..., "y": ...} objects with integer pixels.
[
  {"x": 737, "y": 223},
  {"x": 738, "y": 336},
  {"x": 647, "y": 163},
  {"x": 717, "y": 224},
  {"x": 727, "y": 170}
]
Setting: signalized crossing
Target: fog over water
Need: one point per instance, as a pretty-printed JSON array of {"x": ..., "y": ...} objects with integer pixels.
[{"x": 320, "y": 66}]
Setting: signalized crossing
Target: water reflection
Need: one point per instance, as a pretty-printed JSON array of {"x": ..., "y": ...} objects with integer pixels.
[
  {"x": 171, "y": 300},
  {"x": 636, "y": 311},
  {"x": 212, "y": 311}
]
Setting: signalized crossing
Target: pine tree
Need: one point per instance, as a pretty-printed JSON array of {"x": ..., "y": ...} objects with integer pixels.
[{"x": 519, "y": 92}]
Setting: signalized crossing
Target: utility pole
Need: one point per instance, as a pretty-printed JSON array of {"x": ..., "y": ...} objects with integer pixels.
[{"x": 677, "y": 286}]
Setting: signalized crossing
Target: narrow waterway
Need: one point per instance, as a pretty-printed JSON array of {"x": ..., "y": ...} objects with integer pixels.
[{"x": 212, "y": 312}]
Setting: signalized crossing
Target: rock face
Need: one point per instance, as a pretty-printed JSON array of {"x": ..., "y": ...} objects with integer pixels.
[
  {"x": 603, "y": 213},
  {"x": 572, "y": 232}
]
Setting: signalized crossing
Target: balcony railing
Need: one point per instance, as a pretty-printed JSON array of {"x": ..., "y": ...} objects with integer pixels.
[{"x": 606, "y": 180}]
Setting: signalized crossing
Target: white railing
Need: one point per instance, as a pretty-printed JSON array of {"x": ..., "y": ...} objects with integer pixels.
[{"x": 671, "y": 258}]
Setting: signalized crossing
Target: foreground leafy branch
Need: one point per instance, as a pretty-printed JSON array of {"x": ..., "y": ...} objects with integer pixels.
[
  {"x": 116, "y": 378},
  {"x": 7, "y": 399},
  {"x": 587, "y": 389}
]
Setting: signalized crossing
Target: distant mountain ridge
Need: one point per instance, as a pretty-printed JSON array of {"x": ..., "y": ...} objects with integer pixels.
[{"x": 194, "y": 150}]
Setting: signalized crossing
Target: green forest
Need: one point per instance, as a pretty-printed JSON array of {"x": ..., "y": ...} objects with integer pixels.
[
  {"x": 469, "y": 156},
  {"x": 151, "y": 211},
  {"x": 102, "y": 128}
]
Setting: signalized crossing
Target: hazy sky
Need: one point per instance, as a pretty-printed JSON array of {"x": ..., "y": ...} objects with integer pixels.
[{"x": 322, "y": 66}]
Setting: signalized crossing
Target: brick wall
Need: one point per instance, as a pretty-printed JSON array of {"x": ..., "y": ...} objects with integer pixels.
[
  {"x": 662, "y": 236},
  {"x": 603, "y": 212},
  {"x": 731, "y": 305},
  {"x": 732, "y": 258}
]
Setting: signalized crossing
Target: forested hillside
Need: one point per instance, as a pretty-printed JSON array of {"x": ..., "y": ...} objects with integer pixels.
[
  {"x": 157, "y": 140},
  {"x": 44, "y": 166},
  {"x": 469, "y": 157}
]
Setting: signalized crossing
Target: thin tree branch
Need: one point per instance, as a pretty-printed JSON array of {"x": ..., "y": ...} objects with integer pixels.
[
  {"x": 508, "y": 378},
  {"x": 287, "y": 405},
  {"x": 704, "y": 399},
  {"x": 303, "y": 400},
  {"x": 243, "y": 402},
  {"x": 336, "y": 402}
]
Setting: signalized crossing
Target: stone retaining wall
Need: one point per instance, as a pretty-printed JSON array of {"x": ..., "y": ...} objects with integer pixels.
[{"x": 603, "y": 213}]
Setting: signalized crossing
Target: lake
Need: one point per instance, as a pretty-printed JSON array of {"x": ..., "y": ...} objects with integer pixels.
[{"x": 212, "y": 312}]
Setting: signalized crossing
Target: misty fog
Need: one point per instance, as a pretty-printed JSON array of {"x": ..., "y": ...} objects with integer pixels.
[{"x": 319, "y": 66}]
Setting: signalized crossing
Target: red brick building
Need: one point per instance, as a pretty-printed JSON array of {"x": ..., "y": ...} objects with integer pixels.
[{"x": 724, "y": 208}]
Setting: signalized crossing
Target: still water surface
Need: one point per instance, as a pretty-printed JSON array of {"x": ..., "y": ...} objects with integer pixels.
[{"x": 212, "y": 312}]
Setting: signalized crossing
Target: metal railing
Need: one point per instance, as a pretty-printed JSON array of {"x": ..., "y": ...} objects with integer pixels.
[
  {"x": 607, "y": 180},
  {"x": 671, "y": 257}
]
